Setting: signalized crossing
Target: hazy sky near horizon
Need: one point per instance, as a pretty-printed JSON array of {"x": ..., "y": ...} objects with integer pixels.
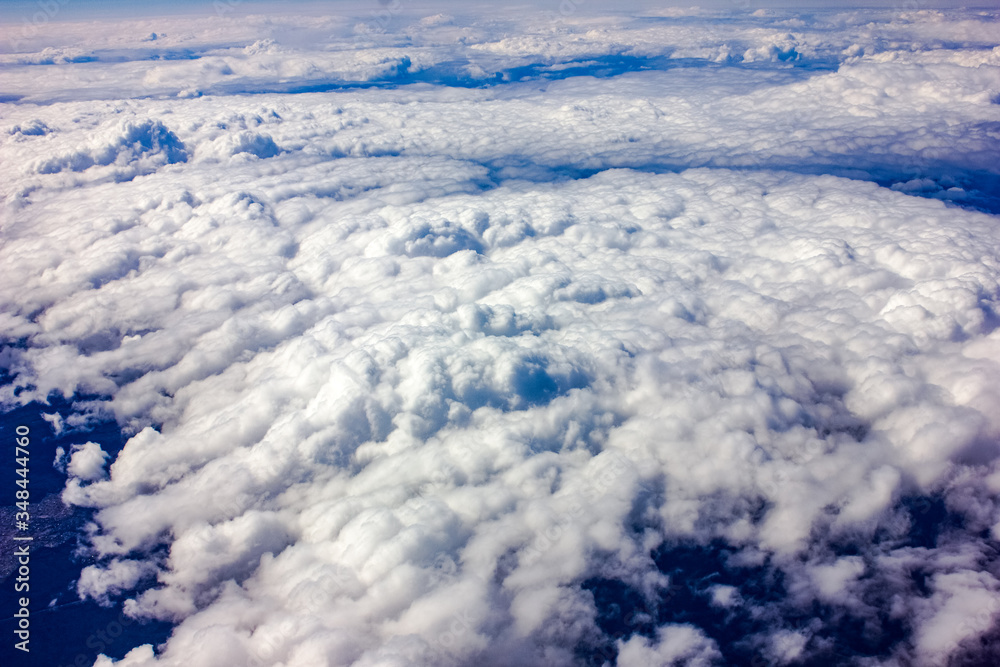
[{"x": 19, "y": 10}]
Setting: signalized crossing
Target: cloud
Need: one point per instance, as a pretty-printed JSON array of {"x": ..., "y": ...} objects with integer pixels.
[
  {"x": 132, "y": 148},
  {"x": 676, "y": 343},
  {"x": 87, "y": 462},
  {"x": 676, "y": 645}
]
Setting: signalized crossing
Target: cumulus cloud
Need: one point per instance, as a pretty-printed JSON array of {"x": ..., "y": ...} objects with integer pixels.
[
  {"x": 143, "y": 145},
  {"x": 675, "y": 645},
  {"x": 660, "y": 341},
  {"x": 86, "y": 462}
]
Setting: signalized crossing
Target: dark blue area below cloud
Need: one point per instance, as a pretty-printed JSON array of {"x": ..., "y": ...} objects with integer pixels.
[
  {"x": 949, "y": 183},
  {"x": 454, "y": 73},
  {"x": 64, "y": 630},
  {"x": 839, "y": 635},
  {"x": 740, "y": 630}
]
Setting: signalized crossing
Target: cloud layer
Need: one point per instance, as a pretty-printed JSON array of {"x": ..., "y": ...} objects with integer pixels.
[{"x": 587, "y": 340}]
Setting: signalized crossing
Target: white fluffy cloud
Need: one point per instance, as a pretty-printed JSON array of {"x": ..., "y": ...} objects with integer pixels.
[
  {"x": 87, "y": 462},
  {"x": 675, "y": 645},
  {"x": 673, "y": 341}
]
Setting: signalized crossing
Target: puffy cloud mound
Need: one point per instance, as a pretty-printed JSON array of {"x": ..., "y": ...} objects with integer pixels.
[
  {"x": 33, "y": 128},
  {"x": 139, "y": 146},
  {"x": 87, "y": 461},
  {"x": 675, "y": 645},
  {"x": 665, "y": 359},
  {"x": 245, "y": 142}
]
